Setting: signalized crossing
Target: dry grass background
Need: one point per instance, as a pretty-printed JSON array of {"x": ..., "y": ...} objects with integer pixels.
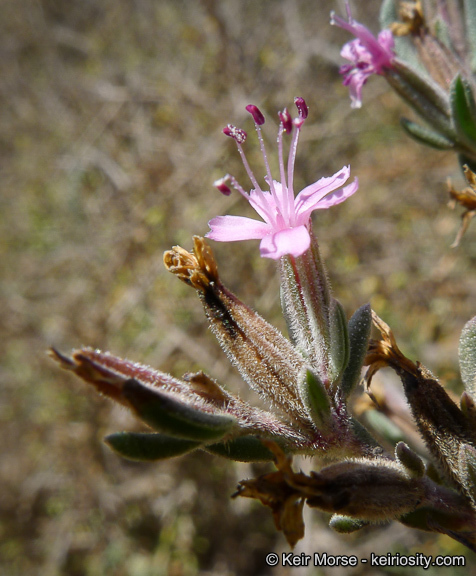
[{"x": 110, "y": 132}]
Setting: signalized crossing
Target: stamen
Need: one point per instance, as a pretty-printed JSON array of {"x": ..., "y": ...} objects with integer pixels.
[
  {"x": 256, "y": 113},
  {"x": 298, "y": 122},
  {"x": 237, "y": 134},
  {"x": 286, "y": 120},
  {"x": 269, "y": 179},
  {"x": 237, "y": 186},
  {"x": 282, "y": 172},
  {"x": 240, "y": 136},
  {"x": 302, "y": 107},
  {"x": 222, "y": 186},
  {"x": 257, "y": 187}
]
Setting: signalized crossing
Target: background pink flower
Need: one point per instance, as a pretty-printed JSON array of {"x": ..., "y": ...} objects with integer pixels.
[{"x": 368, "y": 55}]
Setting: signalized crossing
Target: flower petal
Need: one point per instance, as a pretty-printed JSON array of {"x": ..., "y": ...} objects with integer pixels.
[
  {"x": 294, "y": 241},
  {"x": 386, "y": 40},
  {"x": 308, "y": 199},
  {"x": 338, "y": 196},
  {"x": 233, "y": 228},
  {"x": 380, "y": 50},
  {"x": 355, "y": 80},
  {"x": 263, "y": 202}
]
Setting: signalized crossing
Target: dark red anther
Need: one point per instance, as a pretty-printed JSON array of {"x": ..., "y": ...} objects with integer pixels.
[
  {"x": 256, "y": 113},
  {"x": 237, "y": 134},
  {"x": 222, "y": 186},
  {"x": 286, "y": 120},
  {"x": 302, "y": 107}
]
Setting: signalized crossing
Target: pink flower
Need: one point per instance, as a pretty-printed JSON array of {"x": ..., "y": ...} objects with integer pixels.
[
  {"x": 368, "y": 55},
  {"x": 286, "y": 218}
]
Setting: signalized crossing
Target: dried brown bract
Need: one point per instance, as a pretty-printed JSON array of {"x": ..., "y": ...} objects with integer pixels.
[{"x": 465, "y": 198}]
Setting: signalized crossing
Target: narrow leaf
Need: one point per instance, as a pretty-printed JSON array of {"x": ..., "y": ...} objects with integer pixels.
[
  {"x": 148, "y": 447},
  {"x": 316, "y": 399},
  {"x": 467, "y": 356},
  {"x": 339, "y": 348},
  {"x": 244, "y": 449},
  {"x": 346, "y": 524},
  {"x": 463, "y": 109},
  {"x": 470, "y": 20},
  {"x": 363, "y": 434},
  {"x": 423, "y": 95},
  {"x": 166, "y": 414},
  {"x": 388, "y": 13},
  {"x": 383, "y": 426},
  {"x": 425, "y": 135},
  {"x": 359, "y": 333}
]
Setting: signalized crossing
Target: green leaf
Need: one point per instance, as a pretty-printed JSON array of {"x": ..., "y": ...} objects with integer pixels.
[
  {"x": 148, "y": 447},
  {"x": 384, "y": 426},
  {"x": 243, "y": 449},
  {"x": 425, "y": 135},
  {"x": 426, "y": 97},
  {"x": 346, "y": 524},
  {"x": 467, "y": 356},
  {"x": 167, "y": 414},
  {"x": 441, "y": 31},
  {"x": 316, "y": 399},
  {"x": 339, "y": 349},
  {"x": 362, "y": 433},
  {"x": 388, "y": 13},
  {"x": 470, "y": 21},
  {"x": 359, "y": 333},
  {"x": 463, "y": 109}
]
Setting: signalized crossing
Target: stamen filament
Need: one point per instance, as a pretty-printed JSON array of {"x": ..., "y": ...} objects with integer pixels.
[
  {"x": 270, "y": 180},
  {"x": 265, "y": 203},
  {"x": 291, "y": 162},
  {"x": 282, "y": 173},
  {"x": 237, "y": 186}
]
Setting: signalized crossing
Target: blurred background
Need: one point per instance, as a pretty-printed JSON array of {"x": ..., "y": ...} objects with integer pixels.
[{"x": 110, "y": 140}]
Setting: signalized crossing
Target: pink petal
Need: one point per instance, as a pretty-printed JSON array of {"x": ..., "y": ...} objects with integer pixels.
[
  {"x": 233, "y": 228},
  {"x": 294, "y": 241},
  {"x": 355, "y": 80},
  {"x": 308, "y": 199},
  {"x": 356, "y": 53},
  {"x": 338, "y": 196},
  {"x": 380, "y": 50},
  {"x": 263, "y": 203},
  {"x": 386, "y": 40}
]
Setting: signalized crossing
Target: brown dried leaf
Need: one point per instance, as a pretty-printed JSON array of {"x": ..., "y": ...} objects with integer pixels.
[{"x": 465, "y": 198}]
